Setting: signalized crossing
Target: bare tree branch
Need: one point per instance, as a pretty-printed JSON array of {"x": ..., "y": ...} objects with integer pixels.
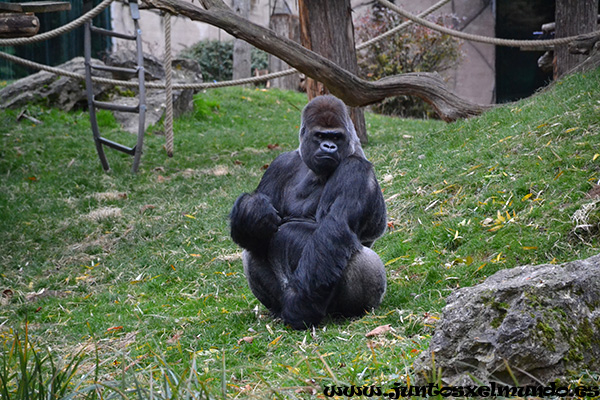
[{"x": 354, "y": 91}]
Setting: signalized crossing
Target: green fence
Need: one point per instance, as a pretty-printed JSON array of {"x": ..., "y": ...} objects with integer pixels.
[{"x": 60, "y": 49}]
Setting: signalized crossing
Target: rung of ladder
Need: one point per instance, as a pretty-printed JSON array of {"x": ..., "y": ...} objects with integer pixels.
[
  {"x": 93, "y": 104},
  {"x": 115, "y": 69},
  {"x": 116, "y": 107},
  {"x": 117, "y": 146},
  {"x": 106, "y": 32}
]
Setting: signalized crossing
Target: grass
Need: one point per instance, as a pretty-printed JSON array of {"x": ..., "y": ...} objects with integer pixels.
[{"x": 134, "y": 279}]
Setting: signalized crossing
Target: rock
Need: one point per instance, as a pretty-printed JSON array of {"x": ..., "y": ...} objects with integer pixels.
[
  {"x": 51, "y": 90},
  {"x": 155, "y": 107},
  {"x": 543, "y": 320},
  {"x": 184, "y": 71},
  {"x": 128, "y": 59},
  {"x": 66, "y": 93}
]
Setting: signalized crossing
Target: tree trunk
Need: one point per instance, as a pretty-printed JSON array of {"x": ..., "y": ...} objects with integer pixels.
[
  {"x": 572, "y": 17},
  {"x": 287, "y": 26},
  {"x": 326, "y": 28},
  {"x": 242, "y": 63}
]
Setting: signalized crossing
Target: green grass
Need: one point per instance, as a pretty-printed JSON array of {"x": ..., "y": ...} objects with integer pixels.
[{"x": 141, "y": 269}]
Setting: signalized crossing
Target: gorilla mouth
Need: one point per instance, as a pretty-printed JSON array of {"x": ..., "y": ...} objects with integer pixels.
[{"x": 326, "y": 157}]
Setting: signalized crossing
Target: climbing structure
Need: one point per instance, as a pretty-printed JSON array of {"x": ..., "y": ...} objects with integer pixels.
[{"x": 93, "y": 104}]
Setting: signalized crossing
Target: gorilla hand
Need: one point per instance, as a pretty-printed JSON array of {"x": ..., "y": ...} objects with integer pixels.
[{"x": 254, "y": 221}]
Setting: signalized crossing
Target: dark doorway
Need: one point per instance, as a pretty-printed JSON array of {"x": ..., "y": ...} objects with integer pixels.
[{"x": 517, "y": 73}]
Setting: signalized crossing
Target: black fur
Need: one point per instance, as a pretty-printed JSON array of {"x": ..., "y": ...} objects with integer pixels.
[{"x": 312, "y": 214}]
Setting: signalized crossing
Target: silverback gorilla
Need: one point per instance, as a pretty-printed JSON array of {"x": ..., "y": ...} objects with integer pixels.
[{"x": 308, "y": 227}]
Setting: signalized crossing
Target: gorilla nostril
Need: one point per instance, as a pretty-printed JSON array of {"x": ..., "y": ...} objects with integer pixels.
[{"x": 328, "y": 147}]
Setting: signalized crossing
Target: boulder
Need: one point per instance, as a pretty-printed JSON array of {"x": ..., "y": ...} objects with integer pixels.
[
  {"x": 51, "y": 90},
  {"x": 184, "y": 71},
  {"x": 126, "y": 58},
  {"x": 540, "y": 323},
  {"x": 67, "y": 93},
  {"x": 155, "y": 107}
]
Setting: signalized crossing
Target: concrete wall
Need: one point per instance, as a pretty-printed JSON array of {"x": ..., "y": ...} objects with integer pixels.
[
  {"x": 473, "y": 78},
  {"x": 184, "y": 32}
]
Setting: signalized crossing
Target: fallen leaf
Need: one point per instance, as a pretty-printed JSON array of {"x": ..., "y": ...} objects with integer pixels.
[
  {"x": 380, "y": 330},
  {"x": 246, "y": 339},
  {"x": 175, "y": 337},
  {"x": 146, "y": 207},
  {"x": 276, "y": 340},
  {"x": 7, "y": 294},
  {"x": 306, "y": 389},
  {"x": 487, "y": 222}
]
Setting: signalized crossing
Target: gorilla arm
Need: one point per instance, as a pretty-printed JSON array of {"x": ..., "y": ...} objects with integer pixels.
[
  {"x": 351, "y": 211},
  {"x": 255, "y": 216}
]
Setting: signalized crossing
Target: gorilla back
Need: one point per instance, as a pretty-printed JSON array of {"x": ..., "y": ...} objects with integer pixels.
[{"x": 308, "y": 227}]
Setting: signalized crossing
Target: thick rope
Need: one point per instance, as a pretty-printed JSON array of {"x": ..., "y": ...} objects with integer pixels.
[
  {"x": 263, "y": 78},
  {"x": 486, "y": 39},
  {"x": 200, "y": 86},
  {"x": 60, "y": 30},
  {"x": 168, "y": 85},
  {"x": 150, "y": 85}
]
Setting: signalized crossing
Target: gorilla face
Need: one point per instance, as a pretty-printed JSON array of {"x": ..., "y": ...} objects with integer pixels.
[
  {"x": 322, "y": 149},
  {"x": 326, "y": 136}
]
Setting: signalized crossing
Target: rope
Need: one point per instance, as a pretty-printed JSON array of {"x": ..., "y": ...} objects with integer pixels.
[
  {"x": 263, "y": 78},
  {"x": 60, "y": 30},
  {"x": 194, "y": 86},
  {"x": 168, "y": 85},
  {"x": 485, "y": 39},
  {"x": 400, "y": 27},
  {"x": 150, "y": 85}
]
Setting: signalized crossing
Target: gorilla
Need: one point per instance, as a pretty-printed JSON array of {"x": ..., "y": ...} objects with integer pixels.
[{"x": 308, "y": 227}]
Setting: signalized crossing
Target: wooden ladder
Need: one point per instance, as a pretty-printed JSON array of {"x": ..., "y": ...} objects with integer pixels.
[{"x": 93, "y": 104}]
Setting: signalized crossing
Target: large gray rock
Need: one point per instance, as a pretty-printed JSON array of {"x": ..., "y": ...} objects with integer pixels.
[
  {"x": 156, "y": 104},
  {"x": 127, "y": 58},
  {"x": 184, "y": 71},
  {"x": 49, "y": 89},
  {"x": 67, "y": 93},
  {"x": 542, "y": 321}
]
